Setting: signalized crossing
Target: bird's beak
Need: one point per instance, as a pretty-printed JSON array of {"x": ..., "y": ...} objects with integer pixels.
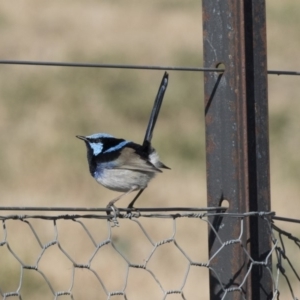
[{"x": 81, "y": 137}]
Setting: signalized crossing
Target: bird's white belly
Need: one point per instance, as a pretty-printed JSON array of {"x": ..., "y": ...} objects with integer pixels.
[{"x": 124, "y": 180}]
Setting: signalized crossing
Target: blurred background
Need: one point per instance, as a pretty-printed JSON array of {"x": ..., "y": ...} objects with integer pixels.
[{"x": 43, "y": 108}]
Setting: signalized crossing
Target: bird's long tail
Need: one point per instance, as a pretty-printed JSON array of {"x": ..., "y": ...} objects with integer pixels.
[
  {"x": 156, "y": 109},
  {"x": 152, "y": 121}
]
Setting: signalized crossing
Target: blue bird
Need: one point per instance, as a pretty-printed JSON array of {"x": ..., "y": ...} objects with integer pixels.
[{"x": 121, "y": 165}]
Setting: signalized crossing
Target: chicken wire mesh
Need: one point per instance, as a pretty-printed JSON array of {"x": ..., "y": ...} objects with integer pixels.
[{"x": 148, "y": 256}]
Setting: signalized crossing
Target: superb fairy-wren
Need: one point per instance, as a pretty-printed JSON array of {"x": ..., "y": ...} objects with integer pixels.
[{"x": 121, "y": 165}]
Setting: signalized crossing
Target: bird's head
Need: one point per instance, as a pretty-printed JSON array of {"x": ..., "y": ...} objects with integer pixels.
[
  {"x": 102, "y": 143},
  {"x": 95, "y": 142}
]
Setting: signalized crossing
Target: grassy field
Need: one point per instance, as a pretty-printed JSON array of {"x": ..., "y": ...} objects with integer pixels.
[{"x": 43, "y": 108}]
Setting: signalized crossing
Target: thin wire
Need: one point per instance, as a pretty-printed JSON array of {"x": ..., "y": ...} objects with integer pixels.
[
  {"x": 109, "y": 66},
  {"x": 108, "y": 209},
  {"x": 136, "y": 67},
  {"x": 286, "y": 219},
  {"x": 274, "y": 72}
]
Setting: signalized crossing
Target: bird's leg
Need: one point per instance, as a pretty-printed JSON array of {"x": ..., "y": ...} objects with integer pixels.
[
  {"x": 111, "y": 205},
  {"x": 112, "y": 202},
  {"x": 134, "y": 199}
]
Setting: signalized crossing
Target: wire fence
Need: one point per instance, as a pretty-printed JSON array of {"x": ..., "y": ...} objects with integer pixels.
[
  {"x": 153, "y": 253},
  {"x": 108, "y": 260}
]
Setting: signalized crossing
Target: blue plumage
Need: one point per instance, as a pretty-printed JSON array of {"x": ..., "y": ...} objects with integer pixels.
[
  {"x": 117, "y": 147},
  {"x": 121, "y": 165}
]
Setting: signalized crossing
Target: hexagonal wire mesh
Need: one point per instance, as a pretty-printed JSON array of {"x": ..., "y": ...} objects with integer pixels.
[{"x": 148, "y": 256}]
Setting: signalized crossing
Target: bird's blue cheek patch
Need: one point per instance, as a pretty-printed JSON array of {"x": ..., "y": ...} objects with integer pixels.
[{"x": 97, "y": 148}]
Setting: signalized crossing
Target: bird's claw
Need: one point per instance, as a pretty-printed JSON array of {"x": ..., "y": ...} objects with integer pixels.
[
  {"x": 115, "y": 212},
  {"x": 134, "y": 213}
]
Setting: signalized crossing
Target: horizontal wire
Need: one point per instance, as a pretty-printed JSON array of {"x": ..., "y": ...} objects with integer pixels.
[
  {"x": 286, "y": 219},
  {"x": 278, "y": 72},
  {"x": 143, "y": 209},
  {"x": 136, "y": 214},
  {"x": 136, "y": 67},
  {"x": 108, "y": 209},
  {"x": 108, "y": 66}
]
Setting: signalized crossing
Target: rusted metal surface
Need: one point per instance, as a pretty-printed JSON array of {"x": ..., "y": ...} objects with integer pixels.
[{"x": 237, "y": 143}]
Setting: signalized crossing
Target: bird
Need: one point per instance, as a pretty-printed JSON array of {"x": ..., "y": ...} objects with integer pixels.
[{"x": 121, "y": 165}]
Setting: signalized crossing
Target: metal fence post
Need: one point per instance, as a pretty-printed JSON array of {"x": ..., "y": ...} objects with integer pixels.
[{"x": 237, "y": 145}]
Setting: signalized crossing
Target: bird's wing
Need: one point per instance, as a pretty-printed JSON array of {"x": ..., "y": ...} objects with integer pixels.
[{"x": 130, "y": 160}]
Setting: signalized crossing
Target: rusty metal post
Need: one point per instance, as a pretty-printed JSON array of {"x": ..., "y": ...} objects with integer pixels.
[{"x": 237, "y": 144}]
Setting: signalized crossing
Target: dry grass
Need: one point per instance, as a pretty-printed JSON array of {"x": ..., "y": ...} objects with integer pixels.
[{"x": 42, "y": 109}]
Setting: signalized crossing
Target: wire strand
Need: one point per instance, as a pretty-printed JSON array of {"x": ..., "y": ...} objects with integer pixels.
[
  {"x": 286, "y": 219},
  {"x": 107, "y": 66},
  {"x": 108, "y": 209},
  {"x": 129, "y": 66}
]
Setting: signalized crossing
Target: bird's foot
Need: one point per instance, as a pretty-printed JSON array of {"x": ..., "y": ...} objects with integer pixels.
[
  {"x": 113, "y": 213},
  {"x": 115, "y": 210},
  {"x": 133, "y": 214}
]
